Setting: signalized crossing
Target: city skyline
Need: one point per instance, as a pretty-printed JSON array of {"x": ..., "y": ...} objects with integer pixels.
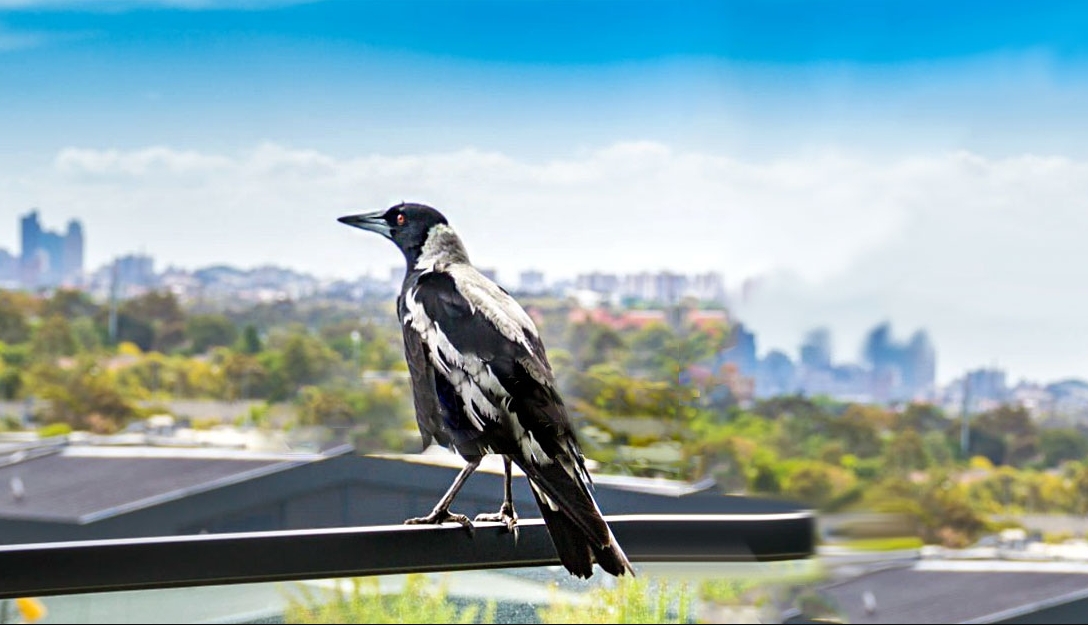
[{"x": 837, "y": 162}]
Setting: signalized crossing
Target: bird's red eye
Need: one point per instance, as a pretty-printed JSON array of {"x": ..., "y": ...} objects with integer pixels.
[{"x": 400, "y": 219}]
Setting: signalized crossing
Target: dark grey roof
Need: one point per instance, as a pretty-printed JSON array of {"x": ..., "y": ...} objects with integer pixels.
[
  {"x": 907, "y": 595},
  {"x": 84, "y": 485}
]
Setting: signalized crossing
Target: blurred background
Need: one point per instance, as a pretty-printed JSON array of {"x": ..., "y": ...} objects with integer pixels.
[{"x": 823, "y": 252}]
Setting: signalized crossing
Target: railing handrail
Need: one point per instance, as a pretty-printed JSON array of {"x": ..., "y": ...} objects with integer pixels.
[{"x": 178, "y": 561}]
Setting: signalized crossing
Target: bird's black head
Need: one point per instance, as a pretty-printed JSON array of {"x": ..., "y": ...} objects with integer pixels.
[{"x": 405, "y": 224}]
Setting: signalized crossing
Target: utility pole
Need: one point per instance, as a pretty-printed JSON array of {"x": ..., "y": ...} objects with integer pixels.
[
  {"x": 356, "y": 344},
  {"x": 965, "y": 430},
  {"x": 113, "y": 304}
]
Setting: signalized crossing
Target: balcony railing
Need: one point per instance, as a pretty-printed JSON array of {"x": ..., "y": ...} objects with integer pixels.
[{"x": 182, "y": 561}]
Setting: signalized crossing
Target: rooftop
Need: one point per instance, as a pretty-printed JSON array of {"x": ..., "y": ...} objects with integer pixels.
[{"x": 82, "y": 484}]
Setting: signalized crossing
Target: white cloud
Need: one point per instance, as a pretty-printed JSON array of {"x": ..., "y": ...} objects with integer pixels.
[{"x": 986, "y": 253}]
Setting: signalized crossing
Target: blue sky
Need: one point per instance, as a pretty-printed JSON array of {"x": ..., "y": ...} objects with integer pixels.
[
  {"x": 923, "y": 162},
  {"x": 535, "y": 76}
]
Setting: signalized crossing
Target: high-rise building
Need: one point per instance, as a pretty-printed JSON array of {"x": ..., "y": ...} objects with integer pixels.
[
  {"x": 816, "y": 349},
  {"x": 47, "y": 258},
  {"x": 777, "y": 375},
  {"x": 920, "y": 366},
  {"x": 742, "y": 353},
  {"x": 73, "y": 250},
  {"x": 901, "y": 371}
]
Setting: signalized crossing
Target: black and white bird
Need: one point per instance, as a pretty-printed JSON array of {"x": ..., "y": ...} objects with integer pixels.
[{"x": 482, "y": 384}]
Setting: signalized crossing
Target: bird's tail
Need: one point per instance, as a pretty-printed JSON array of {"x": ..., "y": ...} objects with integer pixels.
[{"x": 578, "y": 530}]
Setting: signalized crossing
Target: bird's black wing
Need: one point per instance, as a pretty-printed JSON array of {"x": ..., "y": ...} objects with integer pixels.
[{"x": 486, "y": 347}]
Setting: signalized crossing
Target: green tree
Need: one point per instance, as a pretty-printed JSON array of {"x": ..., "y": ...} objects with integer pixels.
[
  {"x": 14, "y": 313},
  {"x": 70, "y": 304},
  {"x": 1062, "y": 444},
  {"x": 246, "y": 377},
  {"x": 53, "y": 337},
  {"x": 1005, "y": 435},
  {"x": 817, "y": 483},
  {"x": 593, "y": 344},
  {"x": 11, "y": 382},
  {"x": 906, "y": 452},
  {"x": 85, "y": 396},
  {"x": 306, "y": 360},
  {"x": 922, "y": 418},
  {"x": 207, "y": 331},
  {"x": 153, "y": 321},
  {"x": 250, "y": 341},
  {"x": 859, "y": 428},
  {"x": 318, "y": 406}
]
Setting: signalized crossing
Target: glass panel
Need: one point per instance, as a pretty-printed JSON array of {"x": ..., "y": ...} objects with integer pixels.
[{"x": 749, "y": 592}]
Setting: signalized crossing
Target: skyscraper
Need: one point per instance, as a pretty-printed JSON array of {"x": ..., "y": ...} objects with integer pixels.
[
  {"x": 816, "y": 350},
  {"x": 73, "y": 250},
  {"x": 47, "y": 258}
]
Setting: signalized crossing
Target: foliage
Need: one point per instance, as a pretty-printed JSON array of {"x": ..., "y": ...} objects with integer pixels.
[
  {"x": 85, "y": 396},
  {"x": 207, "y": 331},
  {"x": 651, "y": 400},
  {"x": 15, "y": 312},
  {"x": 1061, "y": 444},
  {"x": 1005, "y": 435},
  {"x": 420, "y": 601},
  {"x": 54, "y": 429},
  {"x": 630, "y": 600},
  {"x": 893, "y": 543}
]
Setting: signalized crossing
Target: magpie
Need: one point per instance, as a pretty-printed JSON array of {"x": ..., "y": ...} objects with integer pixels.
[{"x": 482, "y": 384}]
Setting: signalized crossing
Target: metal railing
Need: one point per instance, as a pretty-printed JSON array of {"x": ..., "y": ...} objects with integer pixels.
[{"x": 181, "y": 561}]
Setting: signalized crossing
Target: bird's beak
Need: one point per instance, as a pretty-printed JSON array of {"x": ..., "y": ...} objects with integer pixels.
[{"x": 373, "y": 222}]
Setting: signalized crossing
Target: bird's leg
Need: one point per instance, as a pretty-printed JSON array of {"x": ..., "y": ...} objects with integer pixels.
[
  {"x": 441, "y": 512},
  {"x": 506, "y": 513}
]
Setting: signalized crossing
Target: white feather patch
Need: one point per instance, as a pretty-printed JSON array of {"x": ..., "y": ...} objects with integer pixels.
[
  {"x": 499, "y": 308},
  {"x": 472, "y": 378}
]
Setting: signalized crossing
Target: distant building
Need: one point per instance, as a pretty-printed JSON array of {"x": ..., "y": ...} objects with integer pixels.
[
  {"x": 47, "y": 258},
  {"x": 72, "y": 256},
  {"x": 893, "y": 372},
  {"x": 707, "y": 287},
  {"x": 984, "y": 388},
  {"x": 603, "y": 283},
  {"x": 9, "y": 269},
  {"x": 920, "y": 373},
  {"x": 900, "y": 371},
  {"x": 532, "y": 282},
  {"x": 816, "y": 350},
  {"x": 742, "y": 353},
  {"x": 135, "y": 270},
  {"x": 777, "y": 375}
]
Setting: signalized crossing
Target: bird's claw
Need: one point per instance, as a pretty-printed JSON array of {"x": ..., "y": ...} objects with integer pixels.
[
  {"x": 505, "y": 515},
  {"x": 439, "y": 517}
]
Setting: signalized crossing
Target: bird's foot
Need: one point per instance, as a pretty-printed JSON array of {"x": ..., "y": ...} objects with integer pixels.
[
  {"x": 505, "y": 515},
  {"x": 439, "y": 517}
]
